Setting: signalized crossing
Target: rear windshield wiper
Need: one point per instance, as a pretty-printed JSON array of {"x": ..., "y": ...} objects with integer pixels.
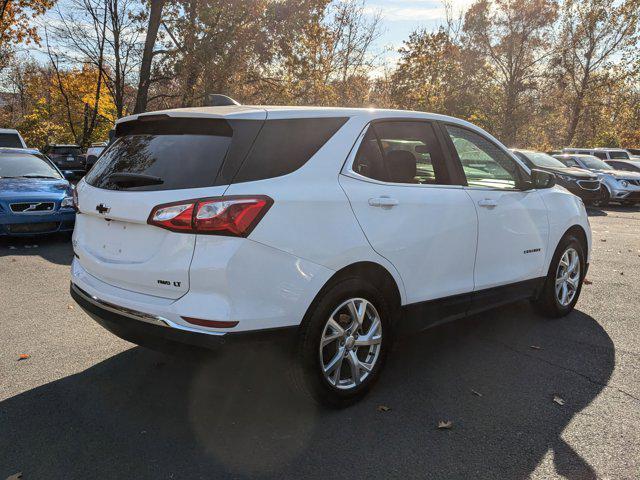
[{"x": 133, "y": 179}]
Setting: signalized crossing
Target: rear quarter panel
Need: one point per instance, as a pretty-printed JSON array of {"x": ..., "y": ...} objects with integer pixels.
[{"x": 311, "y": 217}]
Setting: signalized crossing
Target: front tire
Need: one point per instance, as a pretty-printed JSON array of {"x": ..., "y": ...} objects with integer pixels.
[
  {"x": 563, "y": 283},
  {"x": 605, "y": 198},
  {"x": 343, "y": 343}
]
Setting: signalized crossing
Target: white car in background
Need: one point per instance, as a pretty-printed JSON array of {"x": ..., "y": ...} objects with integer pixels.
[{"x": 335, "y": 228}]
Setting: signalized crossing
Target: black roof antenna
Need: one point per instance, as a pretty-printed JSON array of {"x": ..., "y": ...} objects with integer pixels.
[{"x": 217, "y": 100}]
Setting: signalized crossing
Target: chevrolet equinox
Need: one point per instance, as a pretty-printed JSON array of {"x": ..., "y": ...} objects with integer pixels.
[{"x": 335, "y": 228}]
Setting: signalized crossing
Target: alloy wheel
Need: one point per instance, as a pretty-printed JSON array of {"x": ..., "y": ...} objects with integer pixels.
[
  {"x": 567, "y": 277},
  {"x": 350, "y": 343}
]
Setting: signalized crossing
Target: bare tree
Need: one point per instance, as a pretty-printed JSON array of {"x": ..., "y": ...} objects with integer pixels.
[{"x": 103, "y": 33}]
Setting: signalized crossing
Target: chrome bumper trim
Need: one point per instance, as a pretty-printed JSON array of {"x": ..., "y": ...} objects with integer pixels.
[{"x": 127, "y": 312}]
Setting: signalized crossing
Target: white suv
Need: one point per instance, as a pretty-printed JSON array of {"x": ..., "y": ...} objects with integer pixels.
[{"x": 335, "y": 228}]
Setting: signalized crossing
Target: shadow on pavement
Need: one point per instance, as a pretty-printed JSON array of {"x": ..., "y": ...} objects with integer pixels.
[
  {"x": 55, "y": 248},
  {"x": 142, "y": 414}
]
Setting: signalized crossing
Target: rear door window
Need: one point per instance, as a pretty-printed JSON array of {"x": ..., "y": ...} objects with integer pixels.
[{"x": 401, "y": 152}]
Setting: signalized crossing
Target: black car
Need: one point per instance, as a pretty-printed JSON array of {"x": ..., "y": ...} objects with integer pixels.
[
  {"x": 578, "y": 181},
  {"x": 68, "y": 158}
]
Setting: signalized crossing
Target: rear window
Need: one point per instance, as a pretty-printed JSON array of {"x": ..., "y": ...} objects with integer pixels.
[
  {"x": 615, "y": 154},
  {"x": 65, "y": 151},
  {"x": 176, "y": 153},
  {"x": 10, "y": 140},
  {"x": 180, "y": 153}
]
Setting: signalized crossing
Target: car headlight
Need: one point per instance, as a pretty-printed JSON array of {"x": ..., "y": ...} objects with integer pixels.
[
  {"x": 67, "y": 202},
  {"x": 623, "y": 183}
]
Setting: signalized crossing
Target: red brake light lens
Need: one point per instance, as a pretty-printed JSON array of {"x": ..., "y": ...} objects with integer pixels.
[{"x": 233, "y": 215}]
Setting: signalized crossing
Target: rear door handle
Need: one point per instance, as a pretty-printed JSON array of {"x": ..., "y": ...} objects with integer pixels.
[
  {"x": 383, "y": 202},
  {"x": 488, "y": 203}
]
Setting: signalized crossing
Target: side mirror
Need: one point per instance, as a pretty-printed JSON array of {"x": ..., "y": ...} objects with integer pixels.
[{"x": 542, "y": 179}]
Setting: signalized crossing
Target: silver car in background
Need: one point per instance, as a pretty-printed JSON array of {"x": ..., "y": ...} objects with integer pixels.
[{"x": 617, "y": 185}]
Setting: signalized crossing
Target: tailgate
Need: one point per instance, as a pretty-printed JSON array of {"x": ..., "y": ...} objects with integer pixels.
[{"x": 119, "y": 248}]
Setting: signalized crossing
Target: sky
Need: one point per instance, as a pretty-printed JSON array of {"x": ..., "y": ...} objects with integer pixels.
[{"x": 401, "y": 17}]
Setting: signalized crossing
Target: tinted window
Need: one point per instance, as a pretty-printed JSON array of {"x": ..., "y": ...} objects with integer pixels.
[
  {"x": 179, "y": 161},
  {"x": 73, "y": 151},
  {"x": 10, "y": 140},
  {"x": 623, "y": 155},
  {"x": 25, "y": 165},
  {"x": 484, "y": 164},
  {"x": 401, "y": 152},
  {"x": 283, "y": 146},
  {"x": 601, "y": 155}
]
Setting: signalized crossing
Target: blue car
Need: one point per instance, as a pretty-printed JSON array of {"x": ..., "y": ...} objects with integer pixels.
[{"x": 34, "y": 196}]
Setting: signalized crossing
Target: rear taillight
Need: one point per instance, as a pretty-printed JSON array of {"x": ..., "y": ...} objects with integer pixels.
[{"x": 234, "y": 215}]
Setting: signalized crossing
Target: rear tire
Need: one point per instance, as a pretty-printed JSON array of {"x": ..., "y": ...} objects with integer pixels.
[
  {"x": 563, "y": 283},
  {"x": 342, "y": 371}
]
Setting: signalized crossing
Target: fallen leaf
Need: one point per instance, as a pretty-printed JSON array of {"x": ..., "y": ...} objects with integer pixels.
[
  {"x": 603, "y": 239},
  {"x": 558, "y": 400},
  {"x": 535, "y": 347},
  {"x": 383, "y": 408},
  {"x": 23, "y": 356},
  {"x": 587, "y": 282},
  {"x": 70, "y": 307},
  {"x": 476, "y": 393},
  {"x": 15, "y": 476},
  {"x": 445, "y": 425}
]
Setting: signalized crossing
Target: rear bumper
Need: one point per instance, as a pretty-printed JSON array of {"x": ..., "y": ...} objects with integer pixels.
[{"x": 153, "y": 331}]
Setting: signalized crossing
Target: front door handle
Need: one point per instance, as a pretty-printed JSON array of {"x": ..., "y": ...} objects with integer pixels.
[
  {"x": 384, "y": 202},
  {"x": 488, "y": 203}
]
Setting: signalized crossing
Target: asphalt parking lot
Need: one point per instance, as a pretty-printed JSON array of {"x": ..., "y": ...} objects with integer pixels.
[{"x": 87, "y": 404}]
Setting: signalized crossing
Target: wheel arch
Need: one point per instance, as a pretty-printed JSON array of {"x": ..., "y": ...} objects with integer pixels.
[
  {"x": 373, "y": 272},
  {"x": 580, "y": 233}
]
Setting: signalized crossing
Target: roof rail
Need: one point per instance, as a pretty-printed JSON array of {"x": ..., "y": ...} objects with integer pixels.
[{"x": 218, "y": 100}]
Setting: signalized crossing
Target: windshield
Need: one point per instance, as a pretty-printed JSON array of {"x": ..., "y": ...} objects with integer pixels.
[
  {"x": 618, "y": 154},
  {"x": 594, "y": 163},
  {"x": 540, "y": 159},
  {"x": 25, "y": 165}
]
